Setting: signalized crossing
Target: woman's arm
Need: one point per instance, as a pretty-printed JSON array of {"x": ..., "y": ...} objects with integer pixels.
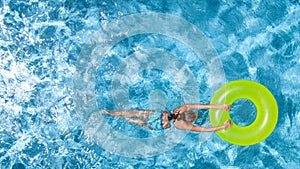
[
  {"x": 188, "y": 126},
  {"x": 226, "y": 125},
  {"x": 203, "y": 129},
  {"x": 209, "y": 106},
  {"x": 186, "y": 107}
]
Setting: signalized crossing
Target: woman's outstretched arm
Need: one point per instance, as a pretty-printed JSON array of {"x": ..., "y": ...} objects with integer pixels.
[
  {"x": 188, "y": 126},
  {"x": 186, "y": 107},
  {"x": 226, "y": 125}
]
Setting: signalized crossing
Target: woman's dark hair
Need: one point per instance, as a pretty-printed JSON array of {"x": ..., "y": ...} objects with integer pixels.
[{"x": 188, "y": 116}]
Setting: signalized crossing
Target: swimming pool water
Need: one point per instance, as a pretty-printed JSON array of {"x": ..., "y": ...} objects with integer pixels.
[{"x": 42, "y": 41}]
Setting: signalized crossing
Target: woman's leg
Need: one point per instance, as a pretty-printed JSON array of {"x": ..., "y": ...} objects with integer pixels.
[
  {"x": 140, "y": 123},
  {"x": 128, "y": 113}
]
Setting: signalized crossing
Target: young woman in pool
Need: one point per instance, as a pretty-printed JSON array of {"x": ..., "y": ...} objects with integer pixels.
[{"x": 182, "y": 117}]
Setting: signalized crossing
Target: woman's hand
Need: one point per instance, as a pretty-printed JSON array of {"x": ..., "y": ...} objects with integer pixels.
[
  {"x": 226, "y": 107},
  {"x": 227, "y": 124}
]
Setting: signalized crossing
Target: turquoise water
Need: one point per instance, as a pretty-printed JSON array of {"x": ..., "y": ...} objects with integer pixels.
[{"x": 146, "y": 54}]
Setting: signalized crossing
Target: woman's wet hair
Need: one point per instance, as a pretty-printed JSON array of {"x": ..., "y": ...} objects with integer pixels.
[{"x": 188, "y": 116}]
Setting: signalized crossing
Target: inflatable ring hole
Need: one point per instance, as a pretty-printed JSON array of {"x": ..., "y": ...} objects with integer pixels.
[{"x": 243, "y": 112}]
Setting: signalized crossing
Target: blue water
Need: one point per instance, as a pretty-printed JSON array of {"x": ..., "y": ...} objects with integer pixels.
[{"x": 44, "y": 126}]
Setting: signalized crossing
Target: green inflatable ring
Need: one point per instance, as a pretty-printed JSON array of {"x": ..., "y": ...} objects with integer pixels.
[{"x": 266, "y": 116}]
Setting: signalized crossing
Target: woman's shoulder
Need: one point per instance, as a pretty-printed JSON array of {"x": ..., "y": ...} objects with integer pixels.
[{"x": 183, "y": 125}]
